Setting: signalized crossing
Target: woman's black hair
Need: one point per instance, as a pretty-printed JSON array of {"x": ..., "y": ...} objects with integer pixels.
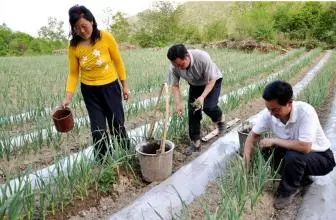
[
  {"x": 278, "y": 90},
  {"x": 177, "y": 51},
  {"x": 77, "y": 12}
]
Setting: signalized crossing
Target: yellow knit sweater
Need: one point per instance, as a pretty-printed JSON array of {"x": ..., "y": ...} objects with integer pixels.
[{"x": 95, "y": 65}]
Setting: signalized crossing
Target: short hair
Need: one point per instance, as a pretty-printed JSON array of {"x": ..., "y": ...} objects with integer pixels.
[
  {"x": 278, "y": 90},
  {"x": 177, "y": 51},
  {"x": 77, "y": 12}
]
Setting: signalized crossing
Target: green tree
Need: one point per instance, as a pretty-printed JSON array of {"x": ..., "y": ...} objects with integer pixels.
[
  {"x": 53, "y": 31},
  {"x": 35, "y": 47},
  {"x": 5, "y": 38},
  {"x": 157, "y": 27},
  {"x": 216, "y": 31},
  {"x": 298, "y": 20},
  {"x": 257, "y": 21},
  {"x": 326, "y": 30},
  {"x": 189, "y": 34},
  {"x": 19, "y": 43},
  {"x": 120, "y": 27}
]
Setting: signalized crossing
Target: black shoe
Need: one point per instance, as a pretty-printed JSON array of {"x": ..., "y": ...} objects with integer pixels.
[
  {"x": 306, "y": 181},
  {"x": 221, "y": 128},
  {"x": 282, "y": 202},
  {"x": 195, "y": 146}
]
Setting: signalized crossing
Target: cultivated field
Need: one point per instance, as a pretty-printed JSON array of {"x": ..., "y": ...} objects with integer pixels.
[{"x": 62, "y": 172}]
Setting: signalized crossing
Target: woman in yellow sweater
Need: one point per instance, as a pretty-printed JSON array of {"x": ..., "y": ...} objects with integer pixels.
[{"x": 94, "y": 58}]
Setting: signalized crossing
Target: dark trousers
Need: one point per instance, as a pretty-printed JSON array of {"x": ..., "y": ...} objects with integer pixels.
[
  {"x": 296, "y": 166},
  {"x": 210, "y": 108},
  {"x": 104, "y": 103}
]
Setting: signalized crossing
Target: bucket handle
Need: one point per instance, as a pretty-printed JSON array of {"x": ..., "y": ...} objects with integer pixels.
[
  {"x": 152, "y": 123},
  {"x": 165, "y": 123},
  {"x": 164, "y": 86},
  {"x": 60, "y": 107}
]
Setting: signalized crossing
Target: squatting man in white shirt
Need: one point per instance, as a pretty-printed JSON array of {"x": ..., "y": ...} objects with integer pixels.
[{"x": 300, "y": 145}]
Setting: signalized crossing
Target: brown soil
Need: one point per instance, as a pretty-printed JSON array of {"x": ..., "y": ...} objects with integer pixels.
[{"x": 97, "y": 204}]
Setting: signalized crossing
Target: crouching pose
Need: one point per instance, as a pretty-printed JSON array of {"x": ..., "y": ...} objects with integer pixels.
[{"x": 299, "y": 142}]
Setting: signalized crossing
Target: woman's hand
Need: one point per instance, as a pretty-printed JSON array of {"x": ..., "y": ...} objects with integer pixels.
[
  {"x": 125, "y": 92},
  {"x": 67, "y": 100}
]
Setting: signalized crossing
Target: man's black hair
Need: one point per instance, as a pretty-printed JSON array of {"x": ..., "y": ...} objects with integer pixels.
[
  {"x": 177, "y": 51},
  {"x": 278, "y": 90}
]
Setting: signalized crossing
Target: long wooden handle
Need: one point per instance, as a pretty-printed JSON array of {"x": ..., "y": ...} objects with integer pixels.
[
  {"x": 165, "y": 123},
  {"x": 152, "y": 123}
]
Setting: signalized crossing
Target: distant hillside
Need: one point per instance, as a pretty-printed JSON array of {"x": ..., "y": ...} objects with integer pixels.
[
  {"x": 283, "y": 23},
  {"x": 199, "y": 13},
  {"x": 204, "y": 13}
]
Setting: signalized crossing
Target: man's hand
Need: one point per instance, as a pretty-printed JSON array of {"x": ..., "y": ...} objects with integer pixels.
[
  {"x": 296, "y": 145},
  {"x": 248, "y": 148},
  {"x": 200, "y": 102},
  {"x": 247, "y": 160},
  {"x": 178, "y": 105},
  {"x": 267, "y": 142}
]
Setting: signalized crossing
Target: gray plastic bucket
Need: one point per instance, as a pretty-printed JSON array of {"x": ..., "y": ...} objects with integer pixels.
[
  {"x": 243, "y": 132},
  {"x": 155, "y": 166}
]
